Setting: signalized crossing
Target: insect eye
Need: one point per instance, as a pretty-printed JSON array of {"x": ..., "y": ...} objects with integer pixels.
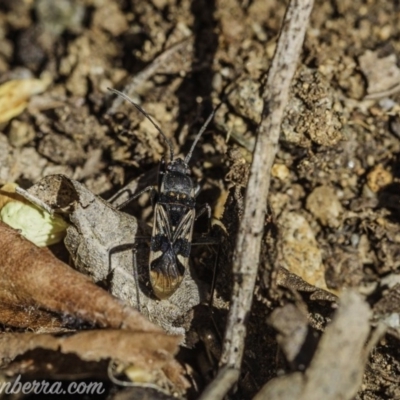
[{"x": 172, "y": 194}]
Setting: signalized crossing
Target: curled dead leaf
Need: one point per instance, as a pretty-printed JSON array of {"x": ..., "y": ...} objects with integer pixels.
[
  {"x": 37, "y": 288},
  {"x": 34, "y": 279},
  {"x": 101, "y": 241},
  {"x": 150, "y": 354}
]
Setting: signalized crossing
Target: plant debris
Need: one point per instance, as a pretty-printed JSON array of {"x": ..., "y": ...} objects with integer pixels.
[
  {"x": 340, "y": 351},
  {"x": 332, "y": 218},
  {"x": 108, "y": 258},
  {"x": 37, "y": 225},
  {"x": 150, "y": 353},
  {"x": 35, "y": 280},
  {"x": 15, "y": 94}
]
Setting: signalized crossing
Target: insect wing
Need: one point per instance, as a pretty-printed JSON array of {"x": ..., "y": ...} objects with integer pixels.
[
  {"x": 162, "y": 223},
  {"x": 170, "y": 250},
  {"x": 184, "y": 229}
]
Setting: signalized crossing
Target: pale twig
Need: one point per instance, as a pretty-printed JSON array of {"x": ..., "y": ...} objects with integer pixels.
[{"x": 248, "y": 245}]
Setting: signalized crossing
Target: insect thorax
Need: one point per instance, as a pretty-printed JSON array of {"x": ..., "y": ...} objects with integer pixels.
[{"x": 179, "y": 183}]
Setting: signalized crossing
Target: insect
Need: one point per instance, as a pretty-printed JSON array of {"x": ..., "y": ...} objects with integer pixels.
[{"x": 174, "y": 203}]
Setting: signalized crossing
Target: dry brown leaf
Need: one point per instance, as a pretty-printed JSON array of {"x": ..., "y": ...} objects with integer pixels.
[
  {"x": 33, "y": 279},
  {"x": 151, "y": 353},
  {"x": 35, "y": 282},
  {"x": 15, "y": 94},
  {"x": 95, "y": 345}
]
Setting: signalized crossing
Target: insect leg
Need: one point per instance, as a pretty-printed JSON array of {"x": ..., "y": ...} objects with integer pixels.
[
  {"x": 214, "y": 278},
  {"x": 136, "y": 195},
  {"x": 123, "y": 247},
  {"x": 197, "y": 190},
  {"x": 213, "y": 241},
  {"x": 136, "y": 276},
  {"x": 205, "y": 208}
]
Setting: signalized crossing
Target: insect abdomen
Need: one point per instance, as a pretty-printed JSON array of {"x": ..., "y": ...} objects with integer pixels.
[
  {"x": 166, "y": 274},
  {"x": 170, "y": 247}
]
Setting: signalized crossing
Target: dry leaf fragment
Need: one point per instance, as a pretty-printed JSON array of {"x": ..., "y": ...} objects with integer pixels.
[
  {"x": 382, "y": 73},
  {"x": 293, "y": 282},
  {"x": 338, "y": 364},
  {"x": 101, "y": 240},
  {"x": 290, "y": 321},
  {"x": 37, "y": 225},
  {"x": 151, "y": 353},
  {"x": 15, "y": 94},
  {"x": 32, "y": 278},
  {"x": 138, "y": 348}
]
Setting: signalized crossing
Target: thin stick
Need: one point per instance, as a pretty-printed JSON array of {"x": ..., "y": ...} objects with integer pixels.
[{"x": 247, "y": 252}]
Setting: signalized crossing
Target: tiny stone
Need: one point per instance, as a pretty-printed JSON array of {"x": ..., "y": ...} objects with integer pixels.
[
  {"x": 325, "y": 206},
  {"x": 20, "y": 133},
  {"x": 378, "y": 178},
  {"x": 280, "y": 171}
]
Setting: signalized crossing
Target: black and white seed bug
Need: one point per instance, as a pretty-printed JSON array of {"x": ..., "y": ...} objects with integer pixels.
[{"x": 174, "y": 202}]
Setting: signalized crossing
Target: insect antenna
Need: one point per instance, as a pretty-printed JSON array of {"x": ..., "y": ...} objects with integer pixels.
[
  {"x": 198, "y": 136},
  {"x": 140, "y": 109}
]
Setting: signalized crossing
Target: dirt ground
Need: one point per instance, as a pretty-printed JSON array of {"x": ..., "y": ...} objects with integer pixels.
[{"x": 333, "y": 218}]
